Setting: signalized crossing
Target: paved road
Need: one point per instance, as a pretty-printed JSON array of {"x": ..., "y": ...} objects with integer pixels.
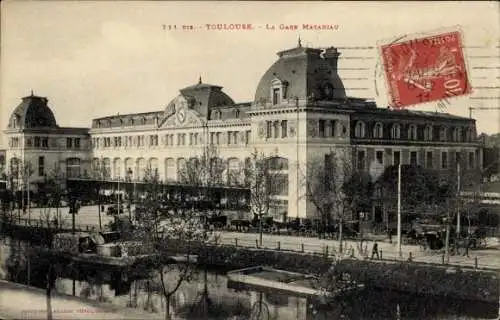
[{"x": 489, "y": 257}]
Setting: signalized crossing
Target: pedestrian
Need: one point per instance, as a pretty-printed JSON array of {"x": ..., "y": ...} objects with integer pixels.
[
  {"x": 389, "y": 232},
  {"x": 375, "y": 250}
]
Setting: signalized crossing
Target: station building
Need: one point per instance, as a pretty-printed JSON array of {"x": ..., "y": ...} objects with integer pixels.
[{"x": 299, "y": 114}]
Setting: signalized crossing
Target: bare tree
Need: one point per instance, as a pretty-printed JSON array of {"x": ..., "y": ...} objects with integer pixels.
[
  {"x": 263, "y": 177},
  {"x": 324, "y": 181},
  {"x": 100, "y": 173},
  {"x": 159, "y": 222}
]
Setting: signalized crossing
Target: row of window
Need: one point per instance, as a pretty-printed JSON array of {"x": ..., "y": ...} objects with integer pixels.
[
  {"x": 180, "y": 139},
  {"x": 72, "y": 166},
  {"x": 414, "y": 161},
  {"x": 415, "y": 132},
  {"x": 43, "y": 142},
  {"x": 276, "y": 129}
]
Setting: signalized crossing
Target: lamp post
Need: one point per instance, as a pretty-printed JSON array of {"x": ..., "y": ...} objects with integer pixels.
[
  {"x": 129, "y": 175},
  {"x": 399, "y": 211}
]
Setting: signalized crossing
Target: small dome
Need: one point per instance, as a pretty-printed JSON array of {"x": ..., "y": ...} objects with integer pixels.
[
  {"x": 200, "y": 97},
  {"x": 33, "y": 112}
]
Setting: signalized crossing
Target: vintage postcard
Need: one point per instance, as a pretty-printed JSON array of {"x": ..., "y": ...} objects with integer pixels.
[{"x": 249, "y": 160}]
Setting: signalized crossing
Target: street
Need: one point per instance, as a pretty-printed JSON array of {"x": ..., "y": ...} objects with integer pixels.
[{"x": 489, "y": 257}]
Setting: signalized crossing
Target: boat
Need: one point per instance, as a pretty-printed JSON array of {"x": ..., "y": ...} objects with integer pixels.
[
  {"x": 91, "y": 249},
  {"x": 286, "y": 282}
]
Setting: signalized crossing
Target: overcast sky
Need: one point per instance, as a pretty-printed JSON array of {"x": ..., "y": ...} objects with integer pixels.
[{"x": 93, "y": 59}]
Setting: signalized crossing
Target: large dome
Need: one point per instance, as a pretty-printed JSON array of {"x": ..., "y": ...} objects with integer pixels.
[
  {"x": 306, "y": 72},
  {"x": 33, "y": 112}
]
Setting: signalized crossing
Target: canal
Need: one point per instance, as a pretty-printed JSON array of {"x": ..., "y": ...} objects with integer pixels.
[{"x": 209, "y": 295}]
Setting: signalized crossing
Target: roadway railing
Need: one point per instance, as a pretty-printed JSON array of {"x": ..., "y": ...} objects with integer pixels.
[{"x": 329, "y": 248}]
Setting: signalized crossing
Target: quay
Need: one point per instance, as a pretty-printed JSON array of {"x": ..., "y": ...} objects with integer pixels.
[{"x": 64, "y": 307}]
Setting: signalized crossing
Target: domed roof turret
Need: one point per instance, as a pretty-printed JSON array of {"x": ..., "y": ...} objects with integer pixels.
[
  {"x": 305, "y": 72},
  {"x": 32, "y": 112},
  {"x": 201, "y": 97}
]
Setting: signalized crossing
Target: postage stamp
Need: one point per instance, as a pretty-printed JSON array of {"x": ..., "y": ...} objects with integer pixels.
[{"x": 424, "y": 68}]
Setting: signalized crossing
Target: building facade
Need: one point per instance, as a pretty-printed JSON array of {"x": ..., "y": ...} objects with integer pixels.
[{"x": 299, "y": 114}]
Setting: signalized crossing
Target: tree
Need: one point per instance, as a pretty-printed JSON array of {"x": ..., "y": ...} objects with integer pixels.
[
  {"x": 100, "y": 172},
  {"x": 262, "y": 176},
  {"x": 160, "y": 222},
  {"x": 52, "y": 192},
  {"x": 325, "y": 187}
]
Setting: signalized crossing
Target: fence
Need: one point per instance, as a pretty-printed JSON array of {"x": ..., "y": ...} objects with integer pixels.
[{"x": 328, "y": 248}]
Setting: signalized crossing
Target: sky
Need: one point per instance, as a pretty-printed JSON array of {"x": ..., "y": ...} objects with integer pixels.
[{"x": 93, "y": 59}]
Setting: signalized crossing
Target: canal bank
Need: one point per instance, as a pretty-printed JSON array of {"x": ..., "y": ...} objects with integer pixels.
[{"x": 418, "y": 278}]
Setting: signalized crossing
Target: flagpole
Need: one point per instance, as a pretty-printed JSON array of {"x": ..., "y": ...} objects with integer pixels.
[{"x": 399, "y": 210}]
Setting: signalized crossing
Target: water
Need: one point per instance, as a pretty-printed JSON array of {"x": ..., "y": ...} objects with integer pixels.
[{"x": 210, "y": 297}]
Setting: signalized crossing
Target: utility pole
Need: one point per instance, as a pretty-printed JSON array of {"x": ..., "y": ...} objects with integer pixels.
[{"x": 399, "y": 211}]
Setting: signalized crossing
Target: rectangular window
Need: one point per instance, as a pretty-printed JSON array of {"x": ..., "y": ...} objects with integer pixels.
[
  {"x": 361, "y": 160},
  {"x": 218, "y": 137},
  {"x": 212, "y": 137},
  {"x": 333, "y": 128},
  {"x": 413, "y": 158},
  {"x": 457, "y": 158},
  {"x": 229, "y": 134},
  {"x": 41, "y": 166},
  {"x": 284, "y": 128},
  {"x": 77, "y": 143},
  {"x": 247, "y": 137},
  {"x": 471, "y": 160},
  {"x": 45, "y": 142},
  {"x": 444, "y": 160},
  {"x": 276, "y": 96},
  {"x": 69, "y": 143},
  {"x": 322, "y": 128},
  {"x": 37, "y": 142},
  {"x": 396, "y": 158},
  {"x": 379, "y": 155},
  {"x": 429, "y": 162},
  {"x": 235, "y": 137},
  {"x": 269, "y": 129}
]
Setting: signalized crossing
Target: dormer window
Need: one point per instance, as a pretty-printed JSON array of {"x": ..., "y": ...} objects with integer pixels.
[
  {"x": 131, "y": 122},
  {"x": 98, "y": 124},
  {"x": 236, "y": 113},
  {"x": 276, "y": 96},
  {"x": 278, "y": 91},
  {"x": 143, "y": 120},
  {"x": 378, "y": 132},
  {"x": 360, "y": 129},
  {"x": 396, "y": 131}
]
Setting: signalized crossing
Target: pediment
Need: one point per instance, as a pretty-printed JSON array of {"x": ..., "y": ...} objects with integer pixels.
[{"x": 182, "y": 118}]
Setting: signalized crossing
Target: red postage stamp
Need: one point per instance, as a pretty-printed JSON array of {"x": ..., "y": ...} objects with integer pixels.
[{"x": 425, "y": 69}]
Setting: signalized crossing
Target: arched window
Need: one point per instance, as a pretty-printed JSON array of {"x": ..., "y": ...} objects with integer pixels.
[
  {"x": 106, "y": 168},
  {"x": 233, "y": 171},
  {"x": 457, "y": 134},
  {"x": 73, "y": 167},
  {"x": 443, "y": 133},
  {"x": 117, "y": 168},
  {"x": 153, "y": 166},
  {"x": 396, "y": 131},
  {"x": 129, "y": 168},
  {"x": 412, "y": 132},
  {"x": 428, "y": 133},
  {"x": 96, "y": 167},
  {"x": 170, "y": 173},
  {"x": 181, "y": 165},
  {"x": 277, "y": 181},
  {"x": 141, "y": 168},
  {"x": 378, "y": 131},
  {"x": 360, "y": 129}
]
